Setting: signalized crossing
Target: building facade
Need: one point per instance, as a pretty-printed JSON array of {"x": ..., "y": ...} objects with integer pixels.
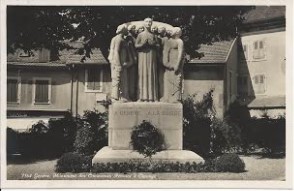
[{"x": 262, "y": 62}]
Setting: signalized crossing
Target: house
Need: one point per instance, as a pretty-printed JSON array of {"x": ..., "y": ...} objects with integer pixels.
[
  {"x": 217, "y": 71},
  {"x": 38, "y": 89},
  {"x": 249, "y": 69},
  {"x": 262, "y": 61}
]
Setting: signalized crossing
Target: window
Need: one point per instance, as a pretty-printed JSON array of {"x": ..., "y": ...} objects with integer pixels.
[
  {"x": 259, "y": 50},
  {"x": 93, "y": 79},
  {"x": 242, "y": 85},
  {"x": 13, "y": 90},
  {"x": 259, "y": 84},
  {"x": 42, "y": 90}
]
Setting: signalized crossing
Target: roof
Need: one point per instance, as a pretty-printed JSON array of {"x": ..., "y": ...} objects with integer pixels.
[
  {"x": 71, "y": 56},
  {"x": 66, "y": 56},
  {"x": 268, "y": 102},
  {"x": 264, "y": 13},
  {"x": 217, "y": 52},
  {"x": 45, "y": 64}
]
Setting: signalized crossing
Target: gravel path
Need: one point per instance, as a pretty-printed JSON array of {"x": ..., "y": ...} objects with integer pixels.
[{"x": 256, "y": 169}]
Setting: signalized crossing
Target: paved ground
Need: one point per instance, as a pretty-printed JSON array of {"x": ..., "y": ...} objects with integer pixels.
[{"x": 257, "y": 168}]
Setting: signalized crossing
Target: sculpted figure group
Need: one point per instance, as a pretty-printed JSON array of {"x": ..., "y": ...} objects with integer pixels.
[{"x": 146, "y": 63}]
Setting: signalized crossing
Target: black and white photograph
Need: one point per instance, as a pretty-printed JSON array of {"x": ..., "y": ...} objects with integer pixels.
[{"x": 130, "y": 93}]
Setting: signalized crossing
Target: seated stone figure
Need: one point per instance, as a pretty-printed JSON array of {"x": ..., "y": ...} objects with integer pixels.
[
  {"x": 173, "y": 61},
  {"x": 120, "y": 59}
]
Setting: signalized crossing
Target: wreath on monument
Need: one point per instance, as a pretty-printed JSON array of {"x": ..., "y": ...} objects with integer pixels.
[{"x": 146, "y": 139}]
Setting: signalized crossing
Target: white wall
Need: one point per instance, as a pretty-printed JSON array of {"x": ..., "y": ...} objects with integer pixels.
[{"x": 273, "y": 66}]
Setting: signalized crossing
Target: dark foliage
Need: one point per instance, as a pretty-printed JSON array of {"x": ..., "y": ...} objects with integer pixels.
[
  {"x": 64, "y": 131},
  {"x": 92, "y": 132},
  {"x": 147, "y": 139},
  {"x": 238, "y": 115},
  {"x": 35, "y": 27},
  {"x": 12, "y": 141},
  {"x": 196, "y": 124},
  {"x": 208, "y": 166},
  {"x": 266, "y": 132},
  {"x": 236, "y": 133},
  {"x": 85, "y": 134},
  {"x": 74, "y": 162},
  {"x": 226, "y": 137},
  {"x": 126, "y": 167},
  {"x": 39, "y": 142},
  {"x": 229, "y": 163}
]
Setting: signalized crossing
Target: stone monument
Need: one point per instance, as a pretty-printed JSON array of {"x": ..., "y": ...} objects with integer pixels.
[{"x": 159, "y": 61}]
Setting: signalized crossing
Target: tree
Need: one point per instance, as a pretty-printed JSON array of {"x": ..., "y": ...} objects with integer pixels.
[
  {"x": 31, "y": 28},
  {"x": 34, "y": 27}
]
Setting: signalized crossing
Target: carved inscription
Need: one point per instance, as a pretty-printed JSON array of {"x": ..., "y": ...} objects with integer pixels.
[{"x": 148, "y": 112}]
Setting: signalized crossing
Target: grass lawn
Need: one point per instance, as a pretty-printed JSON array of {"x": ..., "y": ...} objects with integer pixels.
[{"x": 257, "y": 168}]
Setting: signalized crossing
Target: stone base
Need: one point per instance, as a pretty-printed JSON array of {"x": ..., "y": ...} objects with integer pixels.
[
  {"x": 167, "y": 117},
  {"x": 109, "y": 155}
]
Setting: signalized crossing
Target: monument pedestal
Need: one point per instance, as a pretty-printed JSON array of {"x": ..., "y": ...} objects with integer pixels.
[
  {"x": 167, "y": 117},
  {"x": 107, "y": 154}
]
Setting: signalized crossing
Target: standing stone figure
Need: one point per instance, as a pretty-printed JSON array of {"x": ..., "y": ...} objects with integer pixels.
[
  {"x": 147, "y": 64},
  {"x": 133, "y": 70},
  {"x": 162, "y": 38},
  {"x": 173, "y": 61},
  {"x": 120, "y": 59}
]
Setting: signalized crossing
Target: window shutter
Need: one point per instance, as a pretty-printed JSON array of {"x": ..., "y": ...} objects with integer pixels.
[
  {"x": 94, "y": 79},
  {"x": 90, "y": 82},
  {"x": 42, "y": 91},
  {"x": 12, "y": 90},
  {"x": 262, "y": 49},
  {"x": 259, "y": 84},
  {"x": 255, "y": 45},
  {"x": 261, "y": 79},
  {"x": 259, "y": 50},
  {"x": 97, "y": 79},
  {"x": 260, "y": 44},
  {"x": 255, "y": 51}
]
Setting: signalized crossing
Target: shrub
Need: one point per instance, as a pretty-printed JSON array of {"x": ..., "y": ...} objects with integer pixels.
[
  {"x": 85, "y": 139},
  {"x": 229, "y": 163},
  {"x": 39, "y": 127},
  {"x": 63, "y": 130},
  {"x": 146, "y": 139},
  {"x": 226, "y": 137},
  {"x": 196, "y": 124},
  {"x": 73, "y": 162},
  {"x": 239, "y": 115},
  {"x": 125, "y": 167},
  {"x": 91, "y": 132},
  {"x": 12, "y": 141},
  {"x": 99, "y": 123},
  {"x": 268, "y": 133}
]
